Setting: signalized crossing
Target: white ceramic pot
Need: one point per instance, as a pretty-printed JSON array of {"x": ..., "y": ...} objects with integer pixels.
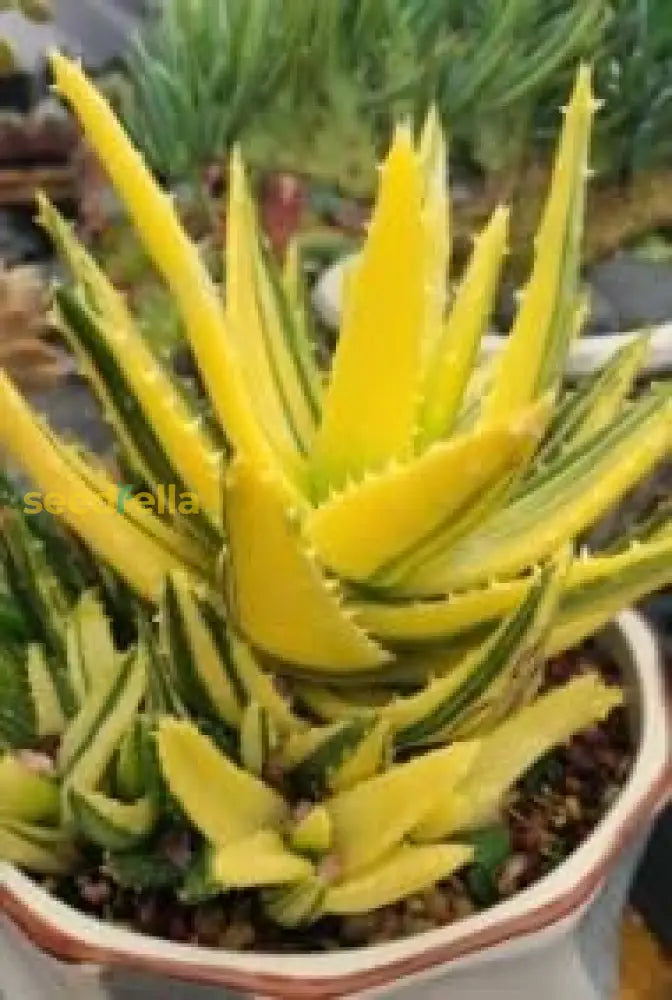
[
  {"x": 557, "y": 939},
  {"x": 587, "y": 353}
]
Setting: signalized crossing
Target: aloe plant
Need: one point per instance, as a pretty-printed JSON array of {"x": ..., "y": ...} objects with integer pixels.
[{"x": 397, "y": 539}]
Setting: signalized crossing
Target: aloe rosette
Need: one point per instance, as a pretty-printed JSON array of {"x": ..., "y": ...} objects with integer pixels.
[{"x": 399, "y": 540}]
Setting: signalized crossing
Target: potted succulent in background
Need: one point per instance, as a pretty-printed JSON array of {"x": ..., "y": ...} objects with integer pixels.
[{"x": 284, "y": 695}]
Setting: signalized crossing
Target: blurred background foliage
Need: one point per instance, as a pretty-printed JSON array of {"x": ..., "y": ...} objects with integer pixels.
[
  {"x": 316, "y": 84},
  {"x": 313, "y": 88}
]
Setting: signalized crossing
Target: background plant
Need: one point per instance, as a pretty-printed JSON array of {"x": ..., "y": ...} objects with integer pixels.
[
  {"x": 635, "y": 81},
  {"x": 502, "y": 65}
]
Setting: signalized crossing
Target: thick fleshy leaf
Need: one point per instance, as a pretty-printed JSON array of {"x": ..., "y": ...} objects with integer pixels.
[
  {"x": 370, "y": 407},
  {"x": 373, "y": 818},
  {"x": 177, "y": 260},
  {"x": 455, "y": 352},
  {"x": 508, "y": 752},
  {"x": 539, "y": 522},
  {"x": 169, "y": 442},
  {"x": 281, "y": 600},
  {"x": 226, "y": 803},
  {"x": 588, "y": 410},
  {"x": 370, "y": 524},
  {"x": 261, "y": 328},
  {"x": 610, "y": 583},
  {"x": 407, "y": 870},
  {"x": 433, "y": 154},
  {"x": 98, "y": 481},
  {"x": 493, "y": 679},
  {"x": 132, "y": 553},
  {"x": 141, "y": 445},
  {"x": 296, "y": 294},
  {"x": 603, "y": 584},
  {"x": 536, "y": 348},
  {"x": 261, "y": 859}
]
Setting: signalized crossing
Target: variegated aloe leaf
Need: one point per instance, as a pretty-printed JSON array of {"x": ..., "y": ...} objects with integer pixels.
[
  {"x": 278, "y": 369},
  {"x": 296, "y": 297},
  {"x": 90, "y": 472},
  {"x": 536, "y": 349},
  {"x": 162, "y": 436},
  {"x": 370, "y": 406},
  {"x": 611, "y": 583},
  {"x": 177, "y": 260},
  {"x": 369, "y": 525},
  {"x": 137, "y": 439},
  {"x": 134, "y": 554},
  {"x": 491, "y": 681},
  {"x": 511, "y": 749},
  {"x": 585, "y": 485},
  {"x": 400, "y": 574},
  {"x": 92, "y": 657},
  {"x": 281, "y": 600},
  {"x": 588, "y": 410},
  {"x": 455, "y": 351},
  {"x": 433, "y": 155},
  {"x": 594, "y": 589},
  {"x": 32, "y": 581}
]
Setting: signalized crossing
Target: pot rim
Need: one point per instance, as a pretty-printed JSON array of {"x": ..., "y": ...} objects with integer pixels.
[{"x": 546, "y": 908}]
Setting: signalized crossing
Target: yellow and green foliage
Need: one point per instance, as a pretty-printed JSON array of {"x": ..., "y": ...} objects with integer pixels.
[{"x": 398, "y": 542}]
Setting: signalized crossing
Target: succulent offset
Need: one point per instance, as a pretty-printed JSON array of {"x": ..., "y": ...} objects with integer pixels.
[{"x": 356, "y": 611}]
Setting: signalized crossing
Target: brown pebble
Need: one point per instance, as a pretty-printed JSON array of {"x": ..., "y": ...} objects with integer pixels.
[
  {"x": 438, "y": 905},
  {"x": 209, "y": 922},
  {"x": 417, "y": 924},
  {"x": 178, "y": 928},
  {"x": 239, "y": 936},
  {"x": 416, "y": 906},
  {"x": 357, "y": 928},
  {"x": 462, "y": 907},
  {"x": 511, "y": 874},
  {"x": 573, "y": 807},
  {"x": 95, "y": 892},
  {"x": 389, "y": 925}
]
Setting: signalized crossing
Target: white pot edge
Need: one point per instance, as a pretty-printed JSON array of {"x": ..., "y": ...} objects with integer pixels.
[
  {"x": 649, "y": 769},
  {"x": 587, "y": 354}
]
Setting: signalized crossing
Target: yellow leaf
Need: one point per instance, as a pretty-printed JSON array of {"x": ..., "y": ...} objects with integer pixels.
[
  {"x": 539, "y": 523},
  {"x": 260, "y": 859},
  {"x": 407, "y": 870},
  {"x": 188, "y": 447},
  {"x": 255, "y": 330},
  {"x": 360, "y": 531},
  {"x": 280, "y": 597},
  {"x": 135, "y": 555},
  {"x": 376, "y": 815},
  {"x": 455, "y": 352},
  {"x": 544, "y": 324},
  {"x": 176, "y": 259},
  {"x": 433, "y": 155},
  {"x": 370, "y": 406},
  {"x": 225, "y": 803},
  {"x": 512, "y": 748}
]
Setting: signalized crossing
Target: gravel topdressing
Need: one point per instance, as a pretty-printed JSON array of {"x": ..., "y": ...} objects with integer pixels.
[{"x": 548, "y": 814}]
